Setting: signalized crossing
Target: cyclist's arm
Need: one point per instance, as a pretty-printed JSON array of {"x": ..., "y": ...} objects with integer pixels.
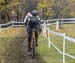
[
  {"x": 39, "y": 23},
  {"x": 25, "y": 19}
]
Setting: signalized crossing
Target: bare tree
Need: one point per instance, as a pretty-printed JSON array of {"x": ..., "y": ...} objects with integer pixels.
[{"x": 58, "y": 8}]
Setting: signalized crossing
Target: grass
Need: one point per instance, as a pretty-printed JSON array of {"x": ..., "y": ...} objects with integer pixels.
[
  {"x": 13, "y": 32},
  {"x": 51, "y": 55},
  {"x": 10, "y": 51},
  {"x": 67, "y": 28}
]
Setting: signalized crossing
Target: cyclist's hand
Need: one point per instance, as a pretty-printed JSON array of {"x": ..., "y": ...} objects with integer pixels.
[{"x": 40, "y": 30}]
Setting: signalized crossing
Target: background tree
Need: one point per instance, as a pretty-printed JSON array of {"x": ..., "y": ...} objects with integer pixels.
[
  {"x": 56, "y": 8},
  {"x": 30, "y": 5},
  {"x": 6, "y": 8}
]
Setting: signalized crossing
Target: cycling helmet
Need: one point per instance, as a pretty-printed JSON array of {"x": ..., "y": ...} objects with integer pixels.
[{"x": 34, "y": 12}]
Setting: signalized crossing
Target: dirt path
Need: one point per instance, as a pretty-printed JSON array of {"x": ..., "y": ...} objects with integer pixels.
[{"x": 27, "y": 57}]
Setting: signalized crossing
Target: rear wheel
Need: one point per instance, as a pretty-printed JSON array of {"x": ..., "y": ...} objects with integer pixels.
[{"x": 33, "y": 49}]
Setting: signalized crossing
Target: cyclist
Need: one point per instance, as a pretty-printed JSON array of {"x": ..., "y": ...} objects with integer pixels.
[
  {"x": 33, "y": 23},
  {"x": 26, "y": 18}
]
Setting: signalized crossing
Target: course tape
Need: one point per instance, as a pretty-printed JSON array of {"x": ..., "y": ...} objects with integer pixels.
[{"x": 62, "y": 35}]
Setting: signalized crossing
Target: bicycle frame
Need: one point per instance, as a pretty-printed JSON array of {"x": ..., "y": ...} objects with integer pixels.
[{"x": 33, "y": 44}]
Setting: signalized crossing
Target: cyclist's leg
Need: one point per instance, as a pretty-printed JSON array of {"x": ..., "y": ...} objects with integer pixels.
[
  {"x": 36, "y": 37},
  {"x": 29, "y": 39}
]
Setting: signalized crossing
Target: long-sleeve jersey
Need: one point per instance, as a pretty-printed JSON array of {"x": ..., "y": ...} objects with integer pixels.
[
  {"x": 26, "y": 18},
  {"x": 34, "y": 22}
]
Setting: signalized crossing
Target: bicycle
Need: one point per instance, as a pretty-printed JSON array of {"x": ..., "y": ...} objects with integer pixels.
[{"x": 33, "y": 43}]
